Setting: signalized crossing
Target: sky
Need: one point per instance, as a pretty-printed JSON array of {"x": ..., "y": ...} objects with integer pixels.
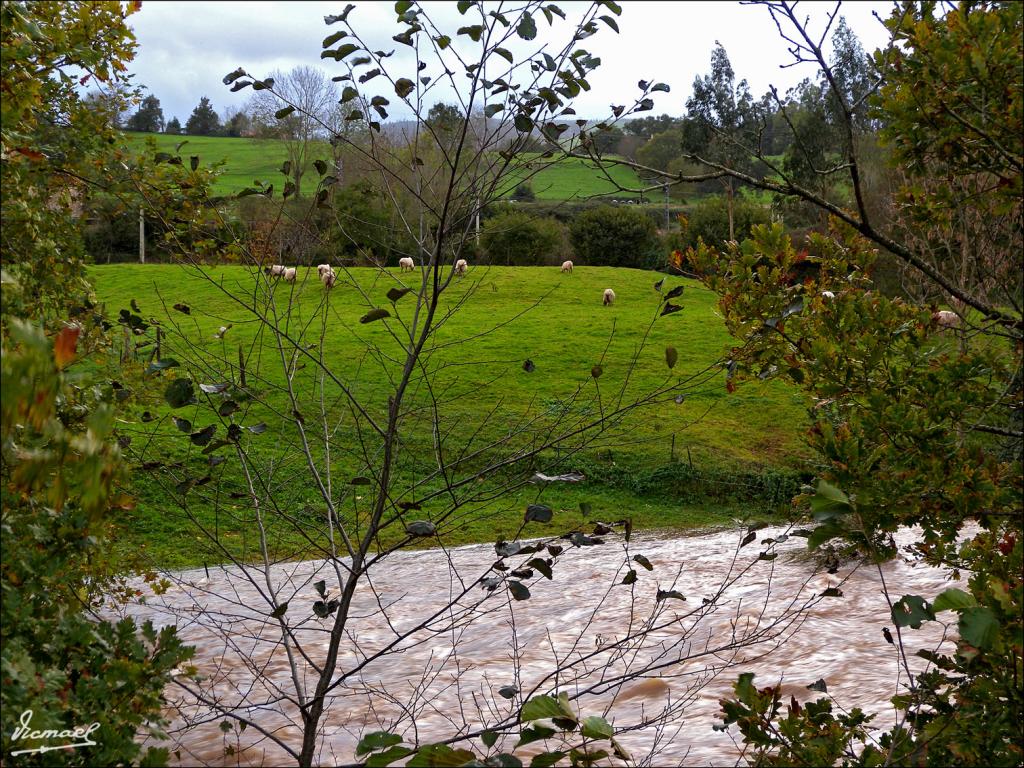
[{"x": 186, "y": 48}]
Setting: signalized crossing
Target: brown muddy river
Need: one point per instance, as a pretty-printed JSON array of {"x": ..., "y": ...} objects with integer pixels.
[{"x": 654, "y": 667}]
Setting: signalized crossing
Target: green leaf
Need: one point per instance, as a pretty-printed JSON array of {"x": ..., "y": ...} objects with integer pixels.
[
  {"x": 547, "y": 759},
  {"x": 505, "y": 54},
  {"x": 610, "y": 22},
  {"x": 179, "y": 392},
  {"x": 376, "y": 741},
  {"x": 443, "y": 41},
  {"x": 643, "y": 561},
  {"x": 671, "y": 356},
  {"x": 492, "y": 109},
  {"x": 421, "y": 528},
  {"x": 232, "y": 76},
  {"x": 331, "y": 39},
  {"x": 403, "y": 87},
  {"x": 183, "y": 425},
  {"x": 611, "y": 6},
  {"x": 534, "y": 733},
  {"x": 829, "y": 502},
  {"x": 463, "y": 6},
  {"x": 911, "y": 611},
  {"x": 387, "y": 757},
  {"x": 348, "y": 94},
  {"x": 953, "y": 599},
  {"x": 440, "y": 756},
  {"x": 660, "y": 87},
  {"x": 203, "y": 436},
  {"x": 508, "y": 691},
  {"x": 280, "y": 611},
  {"x": 542, "y": 566},
  {"x": 519, "y": 590},
  {"x": 402, "y": 6},
  {"x": 283, "y": 113},
  {"x": 374, "y": 314},
  {"x": 540, "y": 513},
  {"x": 340, "y": 52},
  {"x": 544, "y": 706},
  {"x": 394, "y": 294},
  {"x": 527, "y": 28},
  {"x": 978, "y": 626},
  {"x": 523, "y": 123},
  {"x": 489, "y": 738},
  {"x": 161, "y": 365},
  {"x": 629, "y": 578},
  {"x": 664, "y": 594},
  {"x": 597, "y": 728}
]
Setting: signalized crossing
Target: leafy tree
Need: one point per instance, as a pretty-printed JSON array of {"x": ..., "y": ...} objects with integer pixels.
[
  {"x": 661, "y": 149},
  {"x": 173, "y": 126},
  {"x": 295, "y": 107},
  {"x": 514, "y": 238},
  {"x": 59, "y": 465},
  {"x": 615, "y": 236},
  {"x": 149, "y": 118},
  {"x": 109, "y": 105},
  {"x": 607, "y": 141},
  {"x": 238, "y": 124},
  {"x": 708, "y": 220},
  {"x": 646, "y": 127},
  {"x": 917, "y": 424},
  {"x": 204, "y": 120},
  {"x": 722, "y": 114}
]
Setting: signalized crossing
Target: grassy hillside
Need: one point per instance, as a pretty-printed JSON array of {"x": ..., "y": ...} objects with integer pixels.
[
  {"x": 565, "y": 336},
  {"x": 249, "y": 159}
]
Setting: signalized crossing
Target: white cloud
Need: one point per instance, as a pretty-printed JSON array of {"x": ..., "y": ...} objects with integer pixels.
[{"x": 185, "y": 48}]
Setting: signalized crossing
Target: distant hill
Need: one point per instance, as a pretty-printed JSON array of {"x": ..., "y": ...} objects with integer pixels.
[{"x": 248, "y": 159}]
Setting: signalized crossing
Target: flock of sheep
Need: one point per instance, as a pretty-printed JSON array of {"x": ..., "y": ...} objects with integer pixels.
[
  {"x": 944, "y": 317},
  {"x": 406, "y": 264}
]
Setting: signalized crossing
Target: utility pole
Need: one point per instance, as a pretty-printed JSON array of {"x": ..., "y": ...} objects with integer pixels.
[{"x": 142, "y": 237}]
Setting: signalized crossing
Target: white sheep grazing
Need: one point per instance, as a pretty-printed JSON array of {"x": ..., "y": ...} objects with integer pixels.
[
  {"x": 567, "y": 266},
  {"x": 322, "y": 269},
  {"x": 828, "y": 295},
  {"x": 328, "y": 278},
  {"x": 407, "y": 264},
  {"x": 289, "y": 274},
  {"x": 609, "y": 296},
  {"x": 275, "y": 270},
  {"x": 461, "y": 266},
  {"x": 946, "y": 319}
]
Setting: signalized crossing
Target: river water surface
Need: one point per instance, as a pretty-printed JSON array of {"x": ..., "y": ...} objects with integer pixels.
[{"x": 656, "y": 667}]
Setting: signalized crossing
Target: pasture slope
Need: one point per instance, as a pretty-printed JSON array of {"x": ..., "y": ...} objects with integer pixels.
[
  {"x": 509, "y": 315},
  {"x": 248, "y": 159}
]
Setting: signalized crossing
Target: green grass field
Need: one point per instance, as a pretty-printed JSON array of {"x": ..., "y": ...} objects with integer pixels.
[
  {"x": 250, "y": 159},
  {"x": 564, "y": 336}
]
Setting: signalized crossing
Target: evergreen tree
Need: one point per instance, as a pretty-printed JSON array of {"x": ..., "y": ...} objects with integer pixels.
[
  {"x": 149, "y": 118},
  {"x": 204, "y": 120},
  {"x": 174, "y": 126}
]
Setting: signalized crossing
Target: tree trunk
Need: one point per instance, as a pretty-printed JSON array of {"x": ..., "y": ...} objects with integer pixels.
[{"x": 729, "y": 198}]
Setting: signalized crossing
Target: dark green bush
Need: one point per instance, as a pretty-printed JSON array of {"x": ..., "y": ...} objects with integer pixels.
[
  {"x": 512, "y": 238},
  {"x": 709, "y": 220},
  {"x": 616, "y": 237}
]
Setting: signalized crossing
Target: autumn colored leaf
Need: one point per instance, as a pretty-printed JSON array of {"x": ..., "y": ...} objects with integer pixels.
[{"x": 65, "y": 345}]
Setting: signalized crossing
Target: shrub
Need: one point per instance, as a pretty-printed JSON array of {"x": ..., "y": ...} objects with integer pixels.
[
  {"x": 709, "y": 220},
  {"x": 524, "y": 193},
  {"x": 615, "y": 237},
  {"x": 511, "y": 238}
]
